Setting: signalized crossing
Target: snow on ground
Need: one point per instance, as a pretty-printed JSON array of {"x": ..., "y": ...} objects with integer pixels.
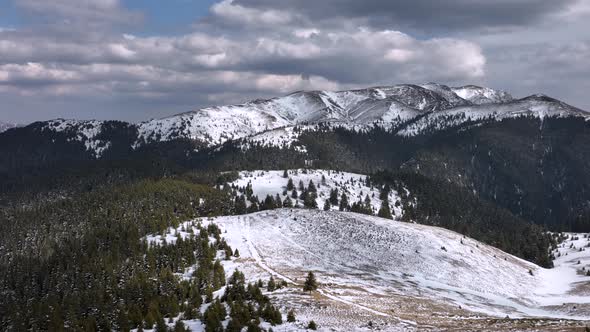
[
  {"x": 83, "y": 131},
  {"x": 568, "y": 279},
  {"x": 280, "y": 137},
  {"x": 399, "y": 276},
  {"x": 482, "y": 95},
  {"x": 354, "y": 185},
  {"x": 534, "y": 106}
]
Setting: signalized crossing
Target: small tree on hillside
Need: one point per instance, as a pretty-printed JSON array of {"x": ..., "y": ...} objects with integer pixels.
[
  {"x": 311, "y": 187},
  {"x": 288, "y": 203},
  {"x": 290, "y": 185},
  {"x": 271, "y": 284},
  {"x": 285, "y": 174},
  {"x": 344, "y": 206},
  {"x": 334, "y": 196},
  {"x": 310, "y": 283},
  {"x": 327, "y": 205},
  {"x": 385, "y": 211},
  {"x": 291, "y": 316}
]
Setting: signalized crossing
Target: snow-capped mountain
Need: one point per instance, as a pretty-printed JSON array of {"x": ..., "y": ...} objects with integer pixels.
[
  {"x": 481, "y": 95},
  {"x": 389, "y": 106},
  {"x": 408, "y": 109}
]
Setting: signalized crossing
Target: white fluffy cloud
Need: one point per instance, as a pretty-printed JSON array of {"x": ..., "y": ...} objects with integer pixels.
[{"x": 241, "y": 52}]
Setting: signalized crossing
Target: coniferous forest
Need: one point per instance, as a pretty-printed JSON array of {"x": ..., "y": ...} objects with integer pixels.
[{"x": 73, "y": 254}]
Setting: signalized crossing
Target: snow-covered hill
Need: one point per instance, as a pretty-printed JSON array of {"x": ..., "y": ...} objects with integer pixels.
[
  {"x": 86, "y": 132},
  {"x": 353, "y": 185},
  {"x": 399, "y": 276},
  {"x": 4, "y": 126},
  {"x": 536, "y": 106}
]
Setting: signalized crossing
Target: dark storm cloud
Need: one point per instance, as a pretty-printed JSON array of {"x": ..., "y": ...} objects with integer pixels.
[{"x": 428, "y": 15}]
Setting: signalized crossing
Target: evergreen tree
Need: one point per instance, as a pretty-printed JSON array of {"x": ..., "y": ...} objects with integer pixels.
[
  {"x": 161, "y": 325},
  {"x": 334, "y": 197},
  {"x": 269, "y": 203},
  {"x": 253, "y": 207},
  {"x": 290, "y": 185},
  {"x": 285, "y": 174},
  {"x": 271, "y": 284},
  {"x": 288, "y": 203},
  {"x": 291, "y": 316},
  {"x": 310, "y": 283},
  {"x": 385, "y": 211},
  {"x": 309, "y": 201},
  {"x": 311, "y": 187},
  {"x": 240, "y": 205},
  {"x": 301, "y": 186},
  {"x": 367, "y": 205},
  {"x": 312, "y": 325},
  {"x": 344, "y": 206},
  {"x": 384, "y": 192},
  {"x": 327, "y": 205}
]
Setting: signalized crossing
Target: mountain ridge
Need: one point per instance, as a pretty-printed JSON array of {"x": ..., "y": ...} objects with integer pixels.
[{"x": 410, "y": 109}]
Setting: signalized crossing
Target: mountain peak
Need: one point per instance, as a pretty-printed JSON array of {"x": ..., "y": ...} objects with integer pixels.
[{"x": 481, "y": 95}]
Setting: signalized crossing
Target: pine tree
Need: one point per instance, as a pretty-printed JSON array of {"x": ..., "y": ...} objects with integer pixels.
[
  {"x": 240, "y": 205},
  {"x": 291, "y": 316},
  {"x": 311, "y": 187},
  {"x": 290, "y": 185},
  {"x": 327, "y": 205},
  {"x": 323, "y": 180},
  {"x": 253, "y": 207},
  {"x": 334, "y": 196},
  {"x": 237, "y": 253},
  {"x": 288, "y": 203},
  {"x": 161, "y": 325},
  {"x": 385, "y": 211},
  {"x": 301, "y": 186},
  {"x": 294, "y": 194},
  {"x": 285, "y": 174},
  {"x": 310, "y": 283},
  {"x": 179, "y": 326},
  {"x": 367, "y": 205},
  {"x": 344, "y": 206},
  {"x": 271, "y": 284},
  {"x": 312, "y": 325},
  {"x": 309, "y": 201}
]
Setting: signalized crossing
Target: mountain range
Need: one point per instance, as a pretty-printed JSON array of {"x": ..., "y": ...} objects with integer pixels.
[
  {"x": 410, "y": 109},
  {"x": 418, "y": 207}
]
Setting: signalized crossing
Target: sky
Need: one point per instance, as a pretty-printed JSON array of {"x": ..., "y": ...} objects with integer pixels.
[{"x": 134, "y": 60}]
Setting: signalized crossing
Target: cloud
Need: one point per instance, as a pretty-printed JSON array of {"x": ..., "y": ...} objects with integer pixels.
[
  {"x": 266, "y": 64},
  {"x": 86, "y": 11},
  {"x": 423, "y": 15},
  {"x": 76, "y": 54}
]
